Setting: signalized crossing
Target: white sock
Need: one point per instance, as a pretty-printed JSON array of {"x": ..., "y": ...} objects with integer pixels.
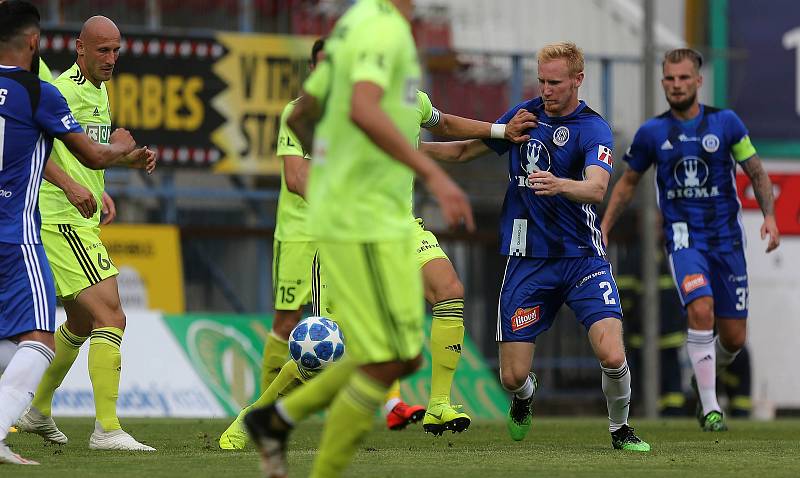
[
  {"x": 19, "y": 381},
  {"x": 389, "y": 405},
  {"x": 7, "y": 351},
  {"x": 617, "y": 389},
  {"x": 724, "y": 357},
  {"x": 525, "y": 391},
  {"x": 700, "y": 347}
]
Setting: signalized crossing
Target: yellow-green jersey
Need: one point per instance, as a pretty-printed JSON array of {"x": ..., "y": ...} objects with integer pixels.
[
  {"x": 356, "y": 191},
  {"x": 89, "y": 105},
  {"x": 290, "y": 222},
  {"x": 44, "y": 71}
]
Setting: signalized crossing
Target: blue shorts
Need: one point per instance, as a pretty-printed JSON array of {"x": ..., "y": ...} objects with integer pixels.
[
  {"x": 27, "y": 296},
  {"x": 721, "y": 275},
  {"x": 534, "y": 289}
]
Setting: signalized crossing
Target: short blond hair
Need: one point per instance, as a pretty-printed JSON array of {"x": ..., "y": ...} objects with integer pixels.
[{"x": 566, "y": 50}]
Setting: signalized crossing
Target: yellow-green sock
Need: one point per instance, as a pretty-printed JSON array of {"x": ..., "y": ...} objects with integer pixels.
[
  {"x": 447, "y": 339},
  {"x": 105, "y": 365},
  {"x": 350, "y": 418},
  {"x": 393, "y": 392},
  {"x": 276, "y": 350},
  {"x": 318, "y": 393},
  {"x": 67, "y": 347}
]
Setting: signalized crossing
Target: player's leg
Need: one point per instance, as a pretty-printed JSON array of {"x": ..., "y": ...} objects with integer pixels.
[
  {"x": 737, "y": 380},
  {"x": 291, "y": 279},
  {"x": 27, "y": 315},
  {"x": 517, "y": 379},
  {"x": 592, "y": 294},
  {"x": 378, "y": 295},
  {"x": 692, "y": 277}
]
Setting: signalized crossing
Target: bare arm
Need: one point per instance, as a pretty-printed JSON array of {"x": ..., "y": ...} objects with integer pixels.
[
  {"x": 590, "y": 190},
  {"x": 307, "y": 112},
  {"x": 365, "y": 112},
  {"x": 762, "y": 189},
  {"x": 295, "y": 172},
  {"x": 621, "y": 196},
  {"x": 98, "y": 156},
  {"x": 455, "y": 151},
  {"x": 452, "y": 126},
  {"x": 76, "y": 194}
]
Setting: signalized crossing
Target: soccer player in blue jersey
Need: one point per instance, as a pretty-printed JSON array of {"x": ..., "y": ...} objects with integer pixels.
[
  {"x": 32, "y": 113},
  {"x": 550, "y": 233},
  {"x": 695, "y": 149}
]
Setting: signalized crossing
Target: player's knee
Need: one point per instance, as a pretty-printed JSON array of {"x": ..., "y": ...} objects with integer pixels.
[
  {"x": 450, "y": 289},
  {"x": 613, "y": 359},
  {"x": 733, "y": 342},
  {"x": 512, "y": 379},
  {"x": 701, "y": 314},
  {"x": 412, "y": 365}
]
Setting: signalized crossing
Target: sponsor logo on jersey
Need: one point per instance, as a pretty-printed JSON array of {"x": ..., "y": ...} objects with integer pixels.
[
  {"x": 100, "y": 133},
  {"x": 590, "y": 276},
  {"x": 604, "y": 155},
  {"x": 69, "y": 121},
  {"x": 691, "y": 174},
  {"x": 524, "y": 318},
  {"x": 685, "y": 139},
  {"x": 561, "y": 136},
  {"x": 733, "y": 278},
  {"x": 534, "y": 157},
  {"x": 5, "y": 194},
  {"x": 693, "y": 282},
  {"x": 710, "y": 143}
]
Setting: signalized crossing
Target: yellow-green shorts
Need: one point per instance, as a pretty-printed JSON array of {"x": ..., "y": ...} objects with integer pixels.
[
  {"x": 376, "y": 290},
  {"x": 292, "y": 273},
  {"x": 77, "y": 258},
  {"x": 426, "y": 245}
]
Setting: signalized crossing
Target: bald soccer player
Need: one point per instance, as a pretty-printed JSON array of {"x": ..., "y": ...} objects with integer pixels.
[{"x": 85, "y": 276}]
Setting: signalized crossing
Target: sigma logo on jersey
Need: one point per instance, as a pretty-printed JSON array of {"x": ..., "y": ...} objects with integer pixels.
[
  {"x": 99, "y": 133},
  {"x": 691, "y": 174},
  {"x": 561, "y": 136},
  {"x": 534, "y": 156},
  {"x": 524, "y": 318},
  {"x": 604, "y": 155},
  {"x": 693, "y": 282},
  {"x": 710, "y": 143}
]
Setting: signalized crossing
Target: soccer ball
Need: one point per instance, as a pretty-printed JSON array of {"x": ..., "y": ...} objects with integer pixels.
[{"x": 316, "y": 342}]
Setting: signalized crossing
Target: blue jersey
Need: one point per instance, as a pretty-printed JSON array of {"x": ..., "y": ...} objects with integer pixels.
[
  {"x": 32, "y": 113},
  {"x": 695, "y": 164},
  {"x": 553, "y": 226}
]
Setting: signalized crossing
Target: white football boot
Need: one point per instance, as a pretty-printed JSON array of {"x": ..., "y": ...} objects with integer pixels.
[
  {"x": 34, "y": 422},
  {"x": 8, "y": 456},
  {"x": 114, "y": 440}
]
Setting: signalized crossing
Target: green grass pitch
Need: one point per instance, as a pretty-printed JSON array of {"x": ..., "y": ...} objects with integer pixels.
[{"x": 555, "y": 447}]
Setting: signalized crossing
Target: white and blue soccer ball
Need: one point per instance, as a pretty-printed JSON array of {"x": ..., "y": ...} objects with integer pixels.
[{"x": 316, "y": 342}]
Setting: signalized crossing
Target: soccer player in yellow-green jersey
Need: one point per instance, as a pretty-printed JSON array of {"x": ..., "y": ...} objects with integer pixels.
[
  {"x": 85, "y": 276},
  {"x": 363, "y": 159}
]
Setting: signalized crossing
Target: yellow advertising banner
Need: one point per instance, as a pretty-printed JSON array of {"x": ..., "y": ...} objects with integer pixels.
[{"x": 148, "y": 258}]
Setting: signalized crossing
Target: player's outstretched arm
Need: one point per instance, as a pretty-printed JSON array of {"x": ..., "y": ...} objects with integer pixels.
[
  {"x": 762, "y": 189},
  {"x": 295, "y": 172},
  {"x": 590, "y": 190},
  {"x": 457, "y": 127},
  {"x": 307, "y": 112},
  {"x": 366, "y": 113},
  {"x": 99, "y": 156},
  {"x": 76, "y": 194},
  {"x": 455, "y": 151},
  {"x": 621, "y": 196}
]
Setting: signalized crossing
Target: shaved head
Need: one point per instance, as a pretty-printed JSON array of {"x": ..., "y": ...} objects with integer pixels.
[{"x": 98, "y": 49}]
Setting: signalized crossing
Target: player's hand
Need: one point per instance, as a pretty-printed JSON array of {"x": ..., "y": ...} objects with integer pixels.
[
  {"x": 769, "y": 227},
  {"x": 109, "y": 211},
  {"x": 544, "y": 183},
  {"x": 142, "y": 158},
  {"x": 452, "y": 201},
  {"x": 82, "y": 199},
  {"x": 521, "y": 122},
  {"x": 122, "y": 138}
]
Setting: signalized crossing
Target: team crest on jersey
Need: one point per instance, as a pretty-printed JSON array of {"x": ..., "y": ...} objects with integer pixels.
[
  {"x": 524, "y": 318},
  {"x": 693, "y": 282},
  {"x": 710, "y": 143},
  {"x": 536, "y": 156},
  {"x": 604, "y": 155},
  {"x": 561, "y": 136}
]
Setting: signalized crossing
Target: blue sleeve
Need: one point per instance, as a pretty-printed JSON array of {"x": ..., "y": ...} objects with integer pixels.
[
  {"x": 500, "y": 146},
  {"x": 734, "y": 127},
  {"x": 639, "y": 156},
  {"x": 53, "y": 114},
  {"x": 597, "y": 144}
]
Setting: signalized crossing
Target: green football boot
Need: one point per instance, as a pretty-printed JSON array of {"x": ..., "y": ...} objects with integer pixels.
[
  {"x": 714, "y": 422},
  {"x": 520, "y": 414},
  {"x": 235, "y": 436},
  {"x": 442, "y": 416},
  {"x": 625, "y": 439}
]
